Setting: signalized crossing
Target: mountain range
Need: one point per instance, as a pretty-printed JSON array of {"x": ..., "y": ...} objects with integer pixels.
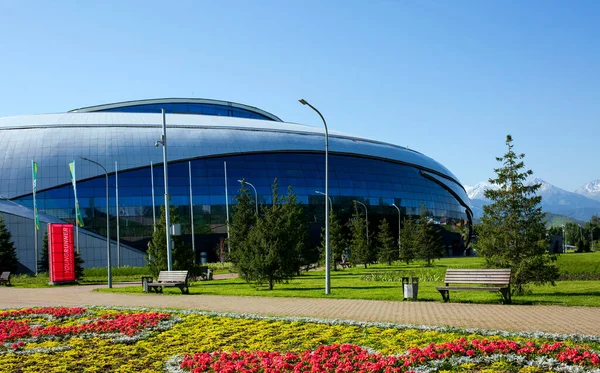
[{"x": 581, "y": 204}]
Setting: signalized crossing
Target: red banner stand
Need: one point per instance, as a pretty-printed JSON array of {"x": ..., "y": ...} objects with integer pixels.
[{"x": 61, "y": 253}]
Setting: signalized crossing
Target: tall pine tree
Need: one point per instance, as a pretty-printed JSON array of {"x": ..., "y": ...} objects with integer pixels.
[
  {"x": 359, "y": 248},
  {"x": 272, "y": 251},
  {"x": 386, "y": 249},
  {"x": 244, "y": 218},
  {"x": 337, "y": 239},
  {"x": 431, "y": 245},
  {"x": 409, "y": 240},
  {"x": 512, "y": 233},
  {"x": 8, "y": 252},
  {"x": 182, "y": 254}
]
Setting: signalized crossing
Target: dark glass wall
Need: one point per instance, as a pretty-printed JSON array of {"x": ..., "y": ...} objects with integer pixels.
[
  {"x": 376, "y": 183},
  {"x": 190, "y": 108}
]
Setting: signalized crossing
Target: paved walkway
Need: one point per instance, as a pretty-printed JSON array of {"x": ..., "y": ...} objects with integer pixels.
[{"x": 553, "y": 319}]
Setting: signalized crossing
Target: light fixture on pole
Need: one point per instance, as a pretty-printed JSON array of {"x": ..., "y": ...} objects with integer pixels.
[
  {"x": 255, "y": 193},
  {"x": 108, "y": 260},
  {"x": 399, "y": 221},
  {"x": 163, "y": 142},
  {"x": 330, "y": 202},
  {"x": 366, "y": 219},
  {"x": 327, "y": 253}
]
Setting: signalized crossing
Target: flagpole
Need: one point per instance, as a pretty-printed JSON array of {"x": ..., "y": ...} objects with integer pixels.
[
  {"x": 117, "y": 203},
  {"x": 153, "y": 207},
  {"x": 227, "y": 206},
  {"x": 35, "y": 217},
  {"x": 192, "y": 211}
]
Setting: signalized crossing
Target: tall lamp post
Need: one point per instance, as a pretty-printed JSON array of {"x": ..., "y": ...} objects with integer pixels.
[
  {"x": 366, "y": 218},
  {"x": 399, "y": 221},
  {"x": 163, "y": 142},
  {"x": 327, "y": 253},
  {"x": 108, "y": 265},
  {"x": 323, "y": 194},
  {"x": 255, "y": 194}
]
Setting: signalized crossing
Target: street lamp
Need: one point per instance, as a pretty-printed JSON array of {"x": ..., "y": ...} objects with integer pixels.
[
  {"x": 366, "y": 218},
  {"x": 163, "y": 142},
  {"x": 327, "y": 264},
  {"x": 108, "y": 265},
  {"x": 255, "y": 194},
  {"x": 399, "y": 221},
  {"x": 323, "y": 194}
]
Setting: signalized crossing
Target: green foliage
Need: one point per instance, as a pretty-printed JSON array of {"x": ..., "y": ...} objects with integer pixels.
[
  {"x": 359, "y": 248},
  {"x": 244, "y": 218},
  {"x": 182, "y": 254},
  {"x": 274, "y": 246},
  {"x": 409, "y": 240},
  {"x": 512, "y": 232},
  {"x": 44, "y": 262},
  {"x": 431, "y": 245},
  {"x": 79, "y": 272},
  {"x": 337, "y": 239},
  {"x": 386, "y": 249},
  {"x": 8, "y": 252}
]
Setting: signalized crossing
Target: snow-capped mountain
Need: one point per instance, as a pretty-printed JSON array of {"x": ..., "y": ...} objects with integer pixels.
[
  {"x": 476, "y": 192},
  {"x": 554, "y": 200},
  {"x": 590, "y": 190}
]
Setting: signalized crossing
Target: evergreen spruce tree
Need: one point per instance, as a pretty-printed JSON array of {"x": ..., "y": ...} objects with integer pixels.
[
  {"x": 181, "y": 255},
  {"x": 8, "y": 252},
  {"x": 78, "y": 266},
  {"x": 337, "y": 240},
  {"x": 386, "y": 249},
  {"x": 44, "y": 262},
  {"x": 512, "y": 233},
  {"x": 359, "y": 249},
  {"x": 408, "y": 240},
  {"x": 244, "y": 218},
  {"x": 271, "y": 253},
  {"x": 431, "y": 245}
]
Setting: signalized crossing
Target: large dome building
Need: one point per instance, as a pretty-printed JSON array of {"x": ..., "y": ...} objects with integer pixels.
[{"x": 202, "y": 135}]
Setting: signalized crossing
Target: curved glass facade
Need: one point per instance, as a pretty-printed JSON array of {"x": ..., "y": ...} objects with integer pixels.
[
  {"x": 377, "y": 183},
  {"x": 189, "y": 108}
]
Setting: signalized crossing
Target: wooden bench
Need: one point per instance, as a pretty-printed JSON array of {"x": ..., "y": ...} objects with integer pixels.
[
  {"x": 486, "y": 279},
  {"x": 5, "y": 278},
  {"x": 171, "y": 279}
]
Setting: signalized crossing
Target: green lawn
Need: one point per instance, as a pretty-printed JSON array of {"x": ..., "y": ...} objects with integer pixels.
[{"x": 350, "y": 284}]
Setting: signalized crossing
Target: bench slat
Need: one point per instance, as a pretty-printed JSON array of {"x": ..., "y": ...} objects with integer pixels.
[{"x": 482, "y": 288}]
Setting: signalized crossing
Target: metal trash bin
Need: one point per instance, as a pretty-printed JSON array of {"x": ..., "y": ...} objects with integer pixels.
[
  {"x": 410, "y": 289},
  {"x": 145, "y": 281}
]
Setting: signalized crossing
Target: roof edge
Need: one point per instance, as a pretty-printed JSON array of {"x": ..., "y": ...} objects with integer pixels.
[{"x": 95, "y": 108}]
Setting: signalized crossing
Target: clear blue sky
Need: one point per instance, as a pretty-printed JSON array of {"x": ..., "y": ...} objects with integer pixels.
[{"x": 447, "y": 78}]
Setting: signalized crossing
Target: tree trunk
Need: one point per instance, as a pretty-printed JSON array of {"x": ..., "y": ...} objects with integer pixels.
[
  {"x": 270, "y": 283},
  {"x": 365, "y": 265}
]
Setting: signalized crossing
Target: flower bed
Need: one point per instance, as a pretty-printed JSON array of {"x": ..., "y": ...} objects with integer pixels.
[{"x": 98, "y": 339}]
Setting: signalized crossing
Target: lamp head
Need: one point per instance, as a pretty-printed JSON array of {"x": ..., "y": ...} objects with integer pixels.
[
  {"x": 303, "y": 101},
  {"x": 157, "y": 143}
]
